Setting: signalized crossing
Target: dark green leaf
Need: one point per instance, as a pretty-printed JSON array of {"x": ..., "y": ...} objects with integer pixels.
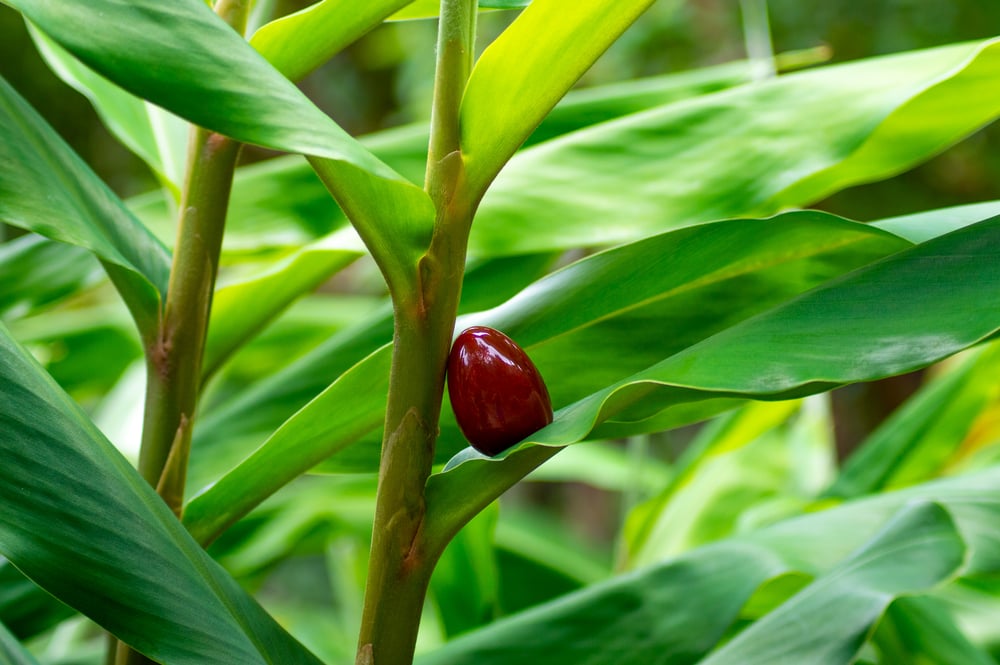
[
  {"x": 175, "y": 55},
  {"x": 80, "y": 522},
  {"x": 46, "y": 187}
]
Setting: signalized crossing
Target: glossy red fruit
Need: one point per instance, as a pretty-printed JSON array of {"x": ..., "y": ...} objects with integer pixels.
[{"x": 496, "y": 392}]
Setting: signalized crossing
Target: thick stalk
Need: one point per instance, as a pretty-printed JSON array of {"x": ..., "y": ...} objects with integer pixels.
[
  {"x": 400, "y": 564},
  {"x": 174, "y": 363}
]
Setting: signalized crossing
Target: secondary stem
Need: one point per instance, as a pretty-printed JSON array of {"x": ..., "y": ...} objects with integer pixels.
[
  {"x": 174, "y": 363},
  {"x": 400, "y": 564}
]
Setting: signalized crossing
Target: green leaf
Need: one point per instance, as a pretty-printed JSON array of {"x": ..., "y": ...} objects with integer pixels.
[
  {"x": 47, "y": 188},
  {"x": 298, "y": 43},
  {"x": 155, "y": 136},
  {"x": 12, "y": 652},
  {"x": 748, "y": 151},
  {"x": 36, "y": 272},
  {"x": 678, "y": 610},
  {"x": 868, "y": 324},
  {"x": 530, "y": 66},
  {"x": 920, "y": 628},
  {"x": 174, "y": 56},
  {"x": 916, "y": 442},
  {"x": 668, "y": 614},
  {"x": 827, "y": 622},
  {"x": 80, "y": 522}
]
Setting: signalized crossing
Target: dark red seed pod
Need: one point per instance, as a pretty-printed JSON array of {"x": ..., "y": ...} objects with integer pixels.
[{"x": 496, "y": 392}]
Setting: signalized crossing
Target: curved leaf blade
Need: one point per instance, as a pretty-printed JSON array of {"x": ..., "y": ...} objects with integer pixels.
[
  {"x": 917, "y": 550},
  {"x": 748, "y": 151},
  {"x": 47, "y": 188},
  {"x": 175, "y": 56},
  {"x": 298, "y": 43},
  {"x": 872, "y": 323},
  {"x": 531, "y": 65},
  {"x": 676, "y": 611},
  {"x": 155, "y": 136},
  {"x": 81, "y": 523}
]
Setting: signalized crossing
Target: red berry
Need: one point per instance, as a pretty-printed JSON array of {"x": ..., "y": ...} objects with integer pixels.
[{"x": 496, "y": 392}]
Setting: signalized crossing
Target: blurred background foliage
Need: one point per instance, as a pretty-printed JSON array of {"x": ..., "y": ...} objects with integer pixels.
[{"x": 384, "y": 80}]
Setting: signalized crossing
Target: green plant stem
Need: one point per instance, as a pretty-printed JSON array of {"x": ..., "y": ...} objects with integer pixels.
[
  {"x": 174, "y": 363},
  {"x": 400, "y": 564}
]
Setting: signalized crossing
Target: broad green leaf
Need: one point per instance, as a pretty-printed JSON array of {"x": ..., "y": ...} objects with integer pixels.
[
  {"x": 627, "y": 308},
  {"x": 920, "y": 628},
  {"x": 667, "y": 615},
  {"x": 748, "y": 151},
  {"x": 530, "y": 66},
  {"x": 47, "y": 188},
  {"x": 298, "y": 43},
  {"x": 868, "y": 324},
  {"x": 676, "y": 611},
  {"x": 12, "y": 652},
  {"x": 828, "y": 621},
  {"x": 155, "y": 136},
  {"x": 36, "y": 272},
  {"x": 80, "y": 522},
  {"x": 174, "y": 57},
  {"x": 916, "y": 442}
]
